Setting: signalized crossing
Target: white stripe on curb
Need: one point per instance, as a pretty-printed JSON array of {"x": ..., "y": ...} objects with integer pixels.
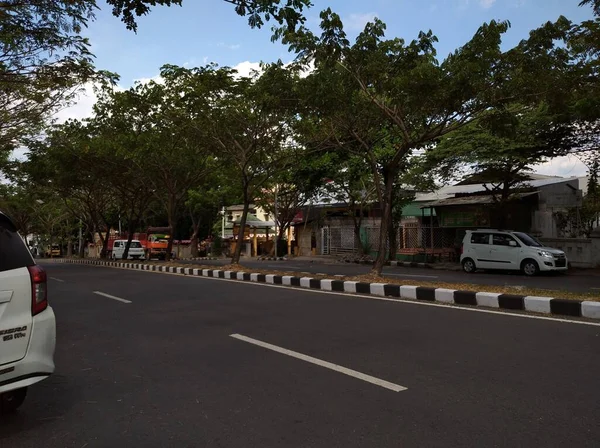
[
  {"x": 350, "y": 286},
  {"x": 537, "y": 304},
  {"x": 305, "y": 282},
  {"x": 270, "y": 278},
  {"x": 377, "y": 289},
  {"x": 326, "y": 285},
  {"x": 487, "y": 299},
  {"x": 590, "y": 309},
  {"x": 408, "y": 292},
  {"x": 287, "y": 280},
  {"x": 444, "y": 295}
]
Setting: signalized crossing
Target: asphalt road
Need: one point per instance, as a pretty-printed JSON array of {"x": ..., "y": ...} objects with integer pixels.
[
  {"x": 577, "y": 281},
  {"x": 163, "y": 370}
]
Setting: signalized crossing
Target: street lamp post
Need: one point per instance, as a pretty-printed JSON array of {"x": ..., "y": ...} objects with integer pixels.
[
  {"x": 223, "y": 223},
  {"x": 276, "y": 229}
]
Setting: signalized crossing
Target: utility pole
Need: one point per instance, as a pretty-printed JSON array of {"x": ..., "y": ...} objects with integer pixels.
[
  {"x": 276, "y": 229},
  {"x": 223, "y": 223},
  {"x": 80, "y": 240}
]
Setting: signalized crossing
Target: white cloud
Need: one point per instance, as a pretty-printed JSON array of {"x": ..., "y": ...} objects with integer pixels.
[
  {"x": 357, "y": 22},
  {"x": 81, "y": 107},
  {"x": 228, "y": 46},
  {"x": 486, "y": 4},
  {"x": 568, "y": 166},
  {"x": 156, "y": 78},
  {"x": 246, "y": 68}
]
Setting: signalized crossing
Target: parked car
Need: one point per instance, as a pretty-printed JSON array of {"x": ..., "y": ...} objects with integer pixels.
[
  {"x": 499, "y": 249},
  {"x": 53, "y": 251},
  {"x": 136, "y": 250},
  {"x": 27, "y": 322}
]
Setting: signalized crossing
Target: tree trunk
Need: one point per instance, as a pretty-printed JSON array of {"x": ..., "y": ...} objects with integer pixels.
[
  {"x": 130, "y": 230},
  {"x": 69, "y": 249},
  {"x": 194, "y": 240},
  {"x": 383, "y": 227},
  {"x": 392, "y": 241},
  {"x": 172, "y": 224},
  {"x": 238, "y": 247}
]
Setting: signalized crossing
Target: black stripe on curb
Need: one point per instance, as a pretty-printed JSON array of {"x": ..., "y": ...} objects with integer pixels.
[
  {"x": 277, "y": 280},
  {"x": 261, "y": 278},
  {"x": 424, "y": 293},
  {"x": 246, "y": 276},
  {"x": 465, "y": 298},
  {"x": 391, "y": 290},
  {"x": 566, "y": 307},
  {"x": 337, "y": 285},
  {"x": 295, "y": 281},
  {"x": 511, "y": 302},
  {"x": 315, "y": 283},
  {"x": 221, "y": 274},
  {"x": 363, "y": 288}
]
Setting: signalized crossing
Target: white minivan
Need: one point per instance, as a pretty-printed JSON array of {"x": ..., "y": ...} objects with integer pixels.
[
  {"x": 136, "y": 250},
  {"x": 27, "y": 322},
  {"x": 508, "y": 250}
]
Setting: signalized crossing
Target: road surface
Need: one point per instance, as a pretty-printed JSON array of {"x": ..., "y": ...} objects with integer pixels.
[{"x": 149, "y": 360}]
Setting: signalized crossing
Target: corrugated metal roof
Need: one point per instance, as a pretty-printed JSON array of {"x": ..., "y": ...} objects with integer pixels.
[
  {"x": 474, "y": 200},
  {"x": 452, "y": 190}
]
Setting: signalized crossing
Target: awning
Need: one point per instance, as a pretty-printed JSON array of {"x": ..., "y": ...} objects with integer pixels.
[{"x": 417, "y": 209}]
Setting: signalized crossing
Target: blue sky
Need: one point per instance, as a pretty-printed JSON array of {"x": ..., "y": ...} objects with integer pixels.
[
  {"x": 204, "y": 31},
  {"x": 209, "y": 30}
]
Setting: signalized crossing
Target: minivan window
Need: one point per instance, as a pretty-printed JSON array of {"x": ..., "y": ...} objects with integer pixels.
[
  {"x": 500, "y": 239},
  {"x": 480, "y": 238},
  {"x": 528, "y": 240},
  {"x": 136, "y": 244},
  {"x": 13, "y": 251}
]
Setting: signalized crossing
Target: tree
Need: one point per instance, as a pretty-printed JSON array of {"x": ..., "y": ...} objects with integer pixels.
[
  {"x": 400, "y": 96},
  {"x": 156, "y": 134},
  {"x": 248, "y": 120}
]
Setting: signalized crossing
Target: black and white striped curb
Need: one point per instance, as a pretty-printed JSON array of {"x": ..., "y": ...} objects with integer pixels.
[
  {"x": 272, "y": 259},
  {"x": 542, "y": 305},
  {"x": 203, "y": 258}
]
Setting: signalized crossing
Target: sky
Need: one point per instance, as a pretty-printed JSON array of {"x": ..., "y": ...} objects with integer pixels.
[{"x": 203, "y": 31}]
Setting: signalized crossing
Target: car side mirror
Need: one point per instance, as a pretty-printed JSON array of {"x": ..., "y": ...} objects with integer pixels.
[{"x": 512, "y": 244}]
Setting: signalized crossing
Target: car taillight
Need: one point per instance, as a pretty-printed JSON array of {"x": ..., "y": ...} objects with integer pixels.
[{"x": 39, "y": 290}]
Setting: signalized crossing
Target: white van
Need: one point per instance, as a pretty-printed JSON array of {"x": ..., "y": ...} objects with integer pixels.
[
  {"x": 136, "y": 250},
  {"x": 518, "y": 251}
]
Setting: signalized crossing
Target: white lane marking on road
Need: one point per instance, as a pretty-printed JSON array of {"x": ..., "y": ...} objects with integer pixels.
[
  {"x": 320, "y": 362},
  {"x": 382, "y": 299},
  {"x": 411, "y": 275},
  {"x": 57, "y": 279},
  {"x": 103, "y": 294}
]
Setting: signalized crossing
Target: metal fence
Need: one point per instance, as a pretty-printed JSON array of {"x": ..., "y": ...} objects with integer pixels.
[{"x": 410, "y": 240}]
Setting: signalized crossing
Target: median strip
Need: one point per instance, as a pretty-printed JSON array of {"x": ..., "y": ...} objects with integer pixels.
[{"x": 365, "y": 286}]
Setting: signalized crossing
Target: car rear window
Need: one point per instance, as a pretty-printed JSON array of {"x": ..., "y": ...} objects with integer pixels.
[
  {"x": 480, "y": 238},
  {"x": 13, "y": 251}
]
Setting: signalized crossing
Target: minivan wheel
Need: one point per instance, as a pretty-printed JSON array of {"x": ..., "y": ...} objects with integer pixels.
[
  {"x": 10, "y": 401},
  {"x": 530, "y": 268},
  {"x": 469, "y": 266}
]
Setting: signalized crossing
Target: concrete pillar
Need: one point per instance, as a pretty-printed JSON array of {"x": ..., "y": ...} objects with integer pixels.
[{"x": 255, "y": 242}]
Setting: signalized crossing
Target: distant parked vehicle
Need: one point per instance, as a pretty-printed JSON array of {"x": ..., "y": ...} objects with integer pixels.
[
  {"x": 136, "y": 250},
  {"x": 53, "y": 251},
  {"x": 518, "y": 251}
]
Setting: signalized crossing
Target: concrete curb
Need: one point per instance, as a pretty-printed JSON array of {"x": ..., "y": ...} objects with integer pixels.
[
  {"x": 203, "y": 258},
  {"x": 541, "y": 305},
  {"x": 272, "y": 259}
]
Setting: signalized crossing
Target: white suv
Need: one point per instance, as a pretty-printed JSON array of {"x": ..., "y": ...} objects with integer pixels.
[
  {"x": 498, "y": 249},
  {"x": 136, "y": 250},
  {"x": 27, "y": 323}
]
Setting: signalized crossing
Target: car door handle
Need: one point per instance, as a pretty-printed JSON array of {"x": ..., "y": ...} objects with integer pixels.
[{"x": 5, "y": 296}]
